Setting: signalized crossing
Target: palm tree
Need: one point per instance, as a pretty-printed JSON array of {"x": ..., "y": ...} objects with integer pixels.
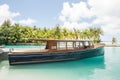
[
  {"x": 57, "y": 31},
  {"x": 84, "y": 34},
  {"x": 94, "y": 33},
  {"x": 7, "y": 23},
  {"x": 65, "y": 33},
  {"x": 113, "y": 40},
  {"x": 91, "y": 33}
]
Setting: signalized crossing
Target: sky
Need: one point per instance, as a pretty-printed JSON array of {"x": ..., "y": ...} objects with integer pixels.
[{"x": 79, "y": 14}]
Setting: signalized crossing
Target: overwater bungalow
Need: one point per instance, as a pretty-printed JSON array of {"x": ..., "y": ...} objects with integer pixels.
[{"x": 56, "y": 50}]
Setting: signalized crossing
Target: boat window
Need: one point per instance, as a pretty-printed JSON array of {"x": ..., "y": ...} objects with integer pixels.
[
  {"x": 86, "y": 43},
  {"x": 77, "y": 44},
  {"x": 81, "y": 44},
  {"x": 91, "y": 43},
  {"x": 53, "y": 47},
  {"x": 42, "y": 45},
  {"x": 69, "y": 45},
  {"x": 61, "y": 45}
]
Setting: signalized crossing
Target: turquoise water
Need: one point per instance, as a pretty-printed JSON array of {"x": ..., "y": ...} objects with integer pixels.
[
  {"x": 105, "y": 67},
  {"x": 24, "y": 46}
]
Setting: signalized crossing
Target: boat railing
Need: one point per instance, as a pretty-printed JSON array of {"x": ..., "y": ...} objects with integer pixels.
[{"x": 98, "y": 45}]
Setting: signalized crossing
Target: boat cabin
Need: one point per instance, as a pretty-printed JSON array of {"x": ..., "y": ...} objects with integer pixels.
[{"x": 52, "y": 44}]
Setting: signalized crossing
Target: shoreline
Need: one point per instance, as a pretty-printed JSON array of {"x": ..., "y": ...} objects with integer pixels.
[{"x": 112, "y": 45}]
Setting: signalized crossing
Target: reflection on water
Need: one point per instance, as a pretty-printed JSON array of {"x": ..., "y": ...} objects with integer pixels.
[
  {"x": 71, "y": 70},
  {"x": 112, "y": 66},
  {"x": 97, "y": 68},
  {"x": 4, "y": 68}
]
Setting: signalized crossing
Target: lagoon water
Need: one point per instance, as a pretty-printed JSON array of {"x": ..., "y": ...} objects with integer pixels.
[{"x": 105, "y": 67}]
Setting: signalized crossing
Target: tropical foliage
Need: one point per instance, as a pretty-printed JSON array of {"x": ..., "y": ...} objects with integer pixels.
[
  {"x": 114, "y": 40},
  {"x": 12, "y": 34}
]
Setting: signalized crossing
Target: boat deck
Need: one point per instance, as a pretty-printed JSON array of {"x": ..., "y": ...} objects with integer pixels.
[{"x": 32, "y": 51}]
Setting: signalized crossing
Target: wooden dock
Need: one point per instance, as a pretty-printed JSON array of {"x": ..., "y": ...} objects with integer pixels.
[{"x": 112, "y": 45}]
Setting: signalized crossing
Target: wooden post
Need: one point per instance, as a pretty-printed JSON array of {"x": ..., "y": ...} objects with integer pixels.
[
  {"x": 89, "y": 44},
  {"x": 79, "y": 45},
  {"x": 83, "y": 43},
  {"x": 47, "y": 45},
  {"x": 66, "y": 45},
  {"x": 56, "y": 45},
  {"x": 73, "y": 44}
]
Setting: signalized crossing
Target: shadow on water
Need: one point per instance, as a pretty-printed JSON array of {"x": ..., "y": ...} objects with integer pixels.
[{"x": 95, "y": 62}]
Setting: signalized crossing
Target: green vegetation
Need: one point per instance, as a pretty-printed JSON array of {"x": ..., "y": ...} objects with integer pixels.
[
  {"x": 12, "y": 34},
  {"x": 114, "y": 40}
]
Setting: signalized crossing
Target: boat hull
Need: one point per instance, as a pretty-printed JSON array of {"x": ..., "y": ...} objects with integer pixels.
[{"x": 54, "y": 56}]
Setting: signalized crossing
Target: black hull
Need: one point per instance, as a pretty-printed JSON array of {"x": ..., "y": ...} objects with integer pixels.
[{"x": 54, "y": 56}]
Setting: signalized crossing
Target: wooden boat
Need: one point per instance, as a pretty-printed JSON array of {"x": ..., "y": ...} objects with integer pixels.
[{"x": 56, "y": 50}]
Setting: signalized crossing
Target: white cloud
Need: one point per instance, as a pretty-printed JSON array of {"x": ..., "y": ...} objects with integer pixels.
[
  {"x": 75, "y": 12},
  {"x": 28, "y": 21},
  {"x": 5, "y": 13},
  {"x": 107, "y": 13},
  {"x": 75, "y": 25},
  {"x": 72, "y": 15}
]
